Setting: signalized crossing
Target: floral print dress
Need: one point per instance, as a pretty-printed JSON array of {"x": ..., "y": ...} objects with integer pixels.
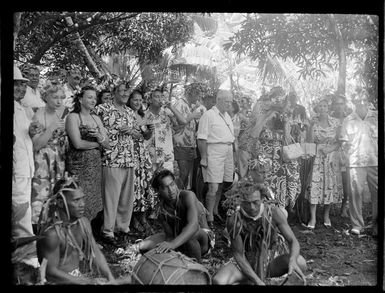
[
  {"x": 144, "y": 194},
  {"x": 324, "y": 187},
  {"x": 49, "y": 166},
  {"x": 160, "y": 145}
]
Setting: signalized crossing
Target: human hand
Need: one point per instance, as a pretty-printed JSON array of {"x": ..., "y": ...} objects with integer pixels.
[
  {"x": 150, "y": 127},
  {"x": 58, "y": 124},
  {"x": 124, "y": 129},
  {"x": 293, "y": 267},
  {"x": 203, "y": 162},
  {"x": 35, "y": 128},
  {"x": 164, "y": 247},
  {"x": 135, "y": 133}
]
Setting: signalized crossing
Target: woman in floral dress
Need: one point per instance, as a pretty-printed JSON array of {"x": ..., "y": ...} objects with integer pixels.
[
  {"x": 49, "y": 147},
  {"x": 265, "y": 136},
  {"x": 145, "y": 199},
  {"x": 87, "y": 136},
  {"x": 324, "y": 189}
]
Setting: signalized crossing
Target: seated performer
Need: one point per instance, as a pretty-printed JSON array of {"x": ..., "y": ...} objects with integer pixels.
[
  {"x": 68, "y": 240},
  {"x": 183, "y": 219},
  {"x": 252, "y": 226}
]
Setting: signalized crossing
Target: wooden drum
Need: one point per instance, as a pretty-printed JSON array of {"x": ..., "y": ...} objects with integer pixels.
[{"x": 171, "y": 268}]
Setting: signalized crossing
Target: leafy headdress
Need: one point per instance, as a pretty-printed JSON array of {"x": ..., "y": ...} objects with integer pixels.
[{"x": 51, "y": 217}]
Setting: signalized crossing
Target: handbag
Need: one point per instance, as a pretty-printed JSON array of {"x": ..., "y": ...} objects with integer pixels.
[
  {"x": 309, "y": 149},
  {"x": 292, "y": 151}
]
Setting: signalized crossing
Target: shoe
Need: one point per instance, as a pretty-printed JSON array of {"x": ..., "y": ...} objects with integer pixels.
[
  {"x": 307, "y": 226},
  {"x": 355, "y": 231},
  {"x": 328, "y": 225},
  {"x": 109, "y": 240}
]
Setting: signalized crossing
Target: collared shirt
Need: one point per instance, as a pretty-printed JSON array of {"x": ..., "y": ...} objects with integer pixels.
[
  {"x": 121, "y": 153},
  {"x": 361, "y": 136},
  {"x": 160, "y": 144},
  {"x": 23, "y": 162},
  {"x": 184, "y": 135},
  {"x": 216, "y": 127},
  {"x": 32, "y": 98}
]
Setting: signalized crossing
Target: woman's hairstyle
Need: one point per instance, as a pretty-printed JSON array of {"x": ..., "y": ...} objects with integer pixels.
[
  {"x": 100, "y": 95},
  {"x": 322, "y": 100},
  {"x": 235, "y": 106},
  {"x": 77, "y": 106},
  {"x": 50, "y": 89},
  {"x": 137, "y": 92},
  {"x": 158, "y": 177}
]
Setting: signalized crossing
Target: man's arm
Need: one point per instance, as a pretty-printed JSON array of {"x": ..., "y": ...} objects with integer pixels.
[
  {"x": 99, "y": 258},
  {"x": 239, "y": 255},
  {"x": 202, "y": 146},
  {"x": 50, "y": 249},
  {"x": 188, "y": 231},
  {"x": 280, "y": 221},
  {"x": 179, "y": 117}
]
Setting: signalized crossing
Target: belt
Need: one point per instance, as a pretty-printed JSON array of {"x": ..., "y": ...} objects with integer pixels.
[{"x": 227, "y": 143}]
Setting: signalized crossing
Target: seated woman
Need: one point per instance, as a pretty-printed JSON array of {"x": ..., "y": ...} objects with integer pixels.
[
  {"x": 183, "y": 219},
  {"x": 68, "y": 240}
]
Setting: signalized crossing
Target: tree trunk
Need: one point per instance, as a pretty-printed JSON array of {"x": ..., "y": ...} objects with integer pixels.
[
  {"x": 75, "y": 38},
  {"x": 16, "y": 26},
  {"x": 341, "y": 85}
]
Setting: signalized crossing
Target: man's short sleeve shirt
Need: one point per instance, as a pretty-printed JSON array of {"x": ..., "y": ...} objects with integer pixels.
[
  {"x": 362, "y": 137},
  {"x": 121, "y": 153}
]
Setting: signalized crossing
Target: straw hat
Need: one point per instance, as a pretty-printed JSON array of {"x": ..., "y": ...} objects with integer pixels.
[{"x": 17, "y": 74}]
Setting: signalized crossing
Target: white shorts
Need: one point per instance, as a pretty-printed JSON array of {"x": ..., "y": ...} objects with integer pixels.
[{"x": 220, "y": 164}]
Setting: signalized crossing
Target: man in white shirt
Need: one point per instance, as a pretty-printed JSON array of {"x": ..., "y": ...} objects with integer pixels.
[
  {"x": 359, "y": 135},
  {"x": 22, "y": 173},
  {"x": 32, "y": 99},
  {"x": 215, "y": 142}
]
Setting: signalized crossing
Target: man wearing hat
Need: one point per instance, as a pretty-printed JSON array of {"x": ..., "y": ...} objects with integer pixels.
[{"x": 23, "y": 170}]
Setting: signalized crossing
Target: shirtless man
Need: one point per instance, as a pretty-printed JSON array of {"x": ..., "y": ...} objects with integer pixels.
[
  {"x": 68, "y": 238},
  {"x": 183, "y": 219},
  {"x": 251, "y": 220}
]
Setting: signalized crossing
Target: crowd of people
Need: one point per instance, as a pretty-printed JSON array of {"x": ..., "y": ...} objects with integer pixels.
[{"x": 99, "y": 164}]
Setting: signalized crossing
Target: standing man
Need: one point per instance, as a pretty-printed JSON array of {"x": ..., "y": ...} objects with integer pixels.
[
  {"x": 161, "y": 113},
  {"x": 32, "y": 99},
  {"x": 184, "y": 138},
  {"x": 341, "y": 111},
  {"x": 215, "y": 142},
  {"x": 22, "y": 171},
  {"x": 118, "y": 165},
  {"x": 359, "y": 135},
  {"x": 71, "y": 86}
]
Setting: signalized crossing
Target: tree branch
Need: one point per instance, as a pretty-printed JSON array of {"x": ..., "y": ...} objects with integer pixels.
[{"x": 45, "y": 47}]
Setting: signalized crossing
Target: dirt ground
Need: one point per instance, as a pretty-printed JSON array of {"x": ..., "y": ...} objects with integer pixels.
[{"x": 334, "y": 257}]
